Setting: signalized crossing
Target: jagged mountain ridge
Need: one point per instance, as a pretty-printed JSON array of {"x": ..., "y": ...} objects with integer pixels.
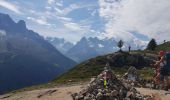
[
  {"x": 91, "y": 47},
  {"x": 60, "y": 43},
  {"x": 25, "y": 57}
]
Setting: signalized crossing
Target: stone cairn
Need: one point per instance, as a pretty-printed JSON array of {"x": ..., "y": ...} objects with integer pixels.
[
  {"x": 108, "y": 87},
  {"x": 132, "y": 77}
]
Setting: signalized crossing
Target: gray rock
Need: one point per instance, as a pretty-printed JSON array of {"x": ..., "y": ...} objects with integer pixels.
[
  {"x": 115, "y": 89},
  {"x": 114, "y": 93}
]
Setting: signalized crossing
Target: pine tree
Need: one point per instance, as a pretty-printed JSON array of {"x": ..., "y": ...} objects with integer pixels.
[
  {"x": 152, "y": 45},
  {"x": 120, "y": 44}
]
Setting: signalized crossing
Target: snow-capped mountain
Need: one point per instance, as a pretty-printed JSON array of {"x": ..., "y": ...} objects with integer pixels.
[
  {"x": 60, "y": 43},
  {"x": 90, "y": 47}
]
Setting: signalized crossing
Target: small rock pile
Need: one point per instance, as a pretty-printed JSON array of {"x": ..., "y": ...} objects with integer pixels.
[
  {"x": 132, "y": 74},
  {"x": 132, "y": 77},
  {"x": 108, "y": 87}
]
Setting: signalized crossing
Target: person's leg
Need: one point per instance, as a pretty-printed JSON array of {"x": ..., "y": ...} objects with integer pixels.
[
  {"x": 166, "y": 82},
  {"x": 158, "y": 79},
  {"x": 161, "y": 77}
]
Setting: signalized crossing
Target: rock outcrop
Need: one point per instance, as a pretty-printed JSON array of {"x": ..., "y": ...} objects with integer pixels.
[{"x": 138, "y": 60}]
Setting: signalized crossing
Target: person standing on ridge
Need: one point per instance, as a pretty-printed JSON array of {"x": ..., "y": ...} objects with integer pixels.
[{"x": 129, "y": 48}]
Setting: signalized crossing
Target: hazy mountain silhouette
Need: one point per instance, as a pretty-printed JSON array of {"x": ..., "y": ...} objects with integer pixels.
[
  {"x": 60, "y": 43},
  {"x": 90, "y": 47},
  {"x": 25, "y": 57}
]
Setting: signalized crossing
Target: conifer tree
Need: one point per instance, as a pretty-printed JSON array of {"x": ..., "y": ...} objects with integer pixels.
[
  {"x": 152, "y": 45},
  {"x": 120, "y": 44}
]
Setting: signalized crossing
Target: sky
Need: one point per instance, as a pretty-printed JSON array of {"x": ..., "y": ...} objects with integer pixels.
[{"x": 129, "y": 20}]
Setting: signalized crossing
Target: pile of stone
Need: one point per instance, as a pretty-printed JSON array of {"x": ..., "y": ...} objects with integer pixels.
[
  {"x": 132, "y": 74},
  {"x": 132, "y": 77},
  {"x": 108, "y": 87}
]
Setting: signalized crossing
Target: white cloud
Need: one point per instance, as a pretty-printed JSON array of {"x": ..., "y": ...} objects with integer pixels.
[
  {"x": 68, "y": 9},
  {"x": 48, "y": 8},
  {"x": 60, "y": 4},
  {"x": 10, "y": 6},
  {"x": 60, "y": 25},
  {"x": 73, "y": 26},
  {"x": 41, "y": 21},
  {"x": 93, "y": 13},
  {"x": 2, "y": 33},
  {"x": 100, "y": 45},
  {"x": 52, "y": 20},
  {"x": 55, "y": 2},
  {"x": 64, "y": 19},
  {"x": 51, "y": 1},
  {"x": 147, "y": 17},
  {"x": 77, "y": 28}
]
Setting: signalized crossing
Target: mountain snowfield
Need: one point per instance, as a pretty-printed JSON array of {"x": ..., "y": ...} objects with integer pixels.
[{"x": 60, "y": 43}]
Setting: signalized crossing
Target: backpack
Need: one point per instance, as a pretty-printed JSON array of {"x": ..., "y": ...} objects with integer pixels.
[
  {"x": 166, "y": 69},
  {"x": 167, "y": 58}
]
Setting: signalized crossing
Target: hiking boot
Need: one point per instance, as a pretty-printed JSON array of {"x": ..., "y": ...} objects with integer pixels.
[{"x": 165, "y": 88}]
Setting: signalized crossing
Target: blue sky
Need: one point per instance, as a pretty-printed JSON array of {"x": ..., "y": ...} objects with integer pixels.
[{"x": 129, "y": 20}]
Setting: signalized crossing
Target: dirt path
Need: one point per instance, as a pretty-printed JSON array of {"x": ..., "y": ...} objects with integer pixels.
[
  {"x": 58, "y": 93},
  {"x": 63, "y": 93},
  {"x": 165, "y": 95}
]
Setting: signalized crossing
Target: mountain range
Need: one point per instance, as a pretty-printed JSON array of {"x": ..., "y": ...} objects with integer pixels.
[
  {"x": 26, "y": 58},
  {"x": 60, "y": 43},
  {"x": 84, "y": 49},
  {"x": 90, "y": 47}
]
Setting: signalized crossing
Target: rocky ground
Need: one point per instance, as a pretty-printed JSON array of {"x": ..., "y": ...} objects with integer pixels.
[
  {"x": 106, "y": 86},
  {"x": 64, "y": 93}
]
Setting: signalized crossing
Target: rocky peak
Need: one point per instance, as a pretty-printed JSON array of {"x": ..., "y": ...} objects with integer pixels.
[
  {"x": 11, "y": 27},
  {"x": 83, "y": 42},
  {"x": 5, "y": 20},
  {"x": 21, "y": 24},
  {"x": 83, "y": 39}
]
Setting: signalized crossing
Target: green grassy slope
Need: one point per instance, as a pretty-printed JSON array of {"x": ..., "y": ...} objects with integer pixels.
[
  {"x": 94, "y": 66},
  {"x": 164, "y": 46}
]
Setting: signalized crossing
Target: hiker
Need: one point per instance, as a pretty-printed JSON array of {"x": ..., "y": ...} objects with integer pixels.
[
  {"x": 165, "y": 70},
  {"x": 158, "y": 78},
  {"x": 129, "y": 48},
  {"x": 162, "y": 67}
]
